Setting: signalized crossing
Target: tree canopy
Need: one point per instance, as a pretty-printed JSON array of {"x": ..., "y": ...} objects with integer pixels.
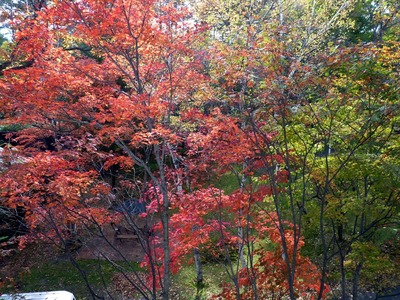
[{"x": 296, "y": 102}]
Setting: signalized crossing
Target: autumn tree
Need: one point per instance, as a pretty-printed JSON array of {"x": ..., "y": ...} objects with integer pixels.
[
  {"x": 207, "y": 219},
  {"x": 273, "y": 80},
  {"x": 354, "y": 151},
  {"x": 105, "y": 82},
  {"x": 134, "y": 99}
]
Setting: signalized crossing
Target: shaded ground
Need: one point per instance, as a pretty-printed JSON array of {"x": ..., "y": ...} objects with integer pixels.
[
  {"x": 108, "y": 247},
  {"x": 42, "y": 267},
  {"x": 18, "y": 263}
]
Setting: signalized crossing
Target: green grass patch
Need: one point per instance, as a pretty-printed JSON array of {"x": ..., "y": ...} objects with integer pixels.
[
  {"x": 228, "y": 183},
  {"x": 62, "y": 275},
  {"x": 184, "y": 283}
]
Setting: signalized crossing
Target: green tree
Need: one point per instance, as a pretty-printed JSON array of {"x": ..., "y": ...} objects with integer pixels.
[{"x": 371, "y": 21}]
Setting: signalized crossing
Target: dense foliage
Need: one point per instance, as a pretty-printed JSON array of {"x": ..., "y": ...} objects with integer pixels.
[{"x": 105, "y": 101}]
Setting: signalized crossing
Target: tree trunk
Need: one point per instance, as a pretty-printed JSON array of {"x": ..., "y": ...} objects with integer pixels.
[
  {"x": 355, "y": 280},
  {"x": 343, "y": 275},
  {"x": 167, "y": 256},
  {"x": 199, "y": 273}
]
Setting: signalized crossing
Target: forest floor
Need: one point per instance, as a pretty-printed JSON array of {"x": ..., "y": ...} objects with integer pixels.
[
  {"x": 42, "y": 267},
  {"x": 107, "y": 247}
]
